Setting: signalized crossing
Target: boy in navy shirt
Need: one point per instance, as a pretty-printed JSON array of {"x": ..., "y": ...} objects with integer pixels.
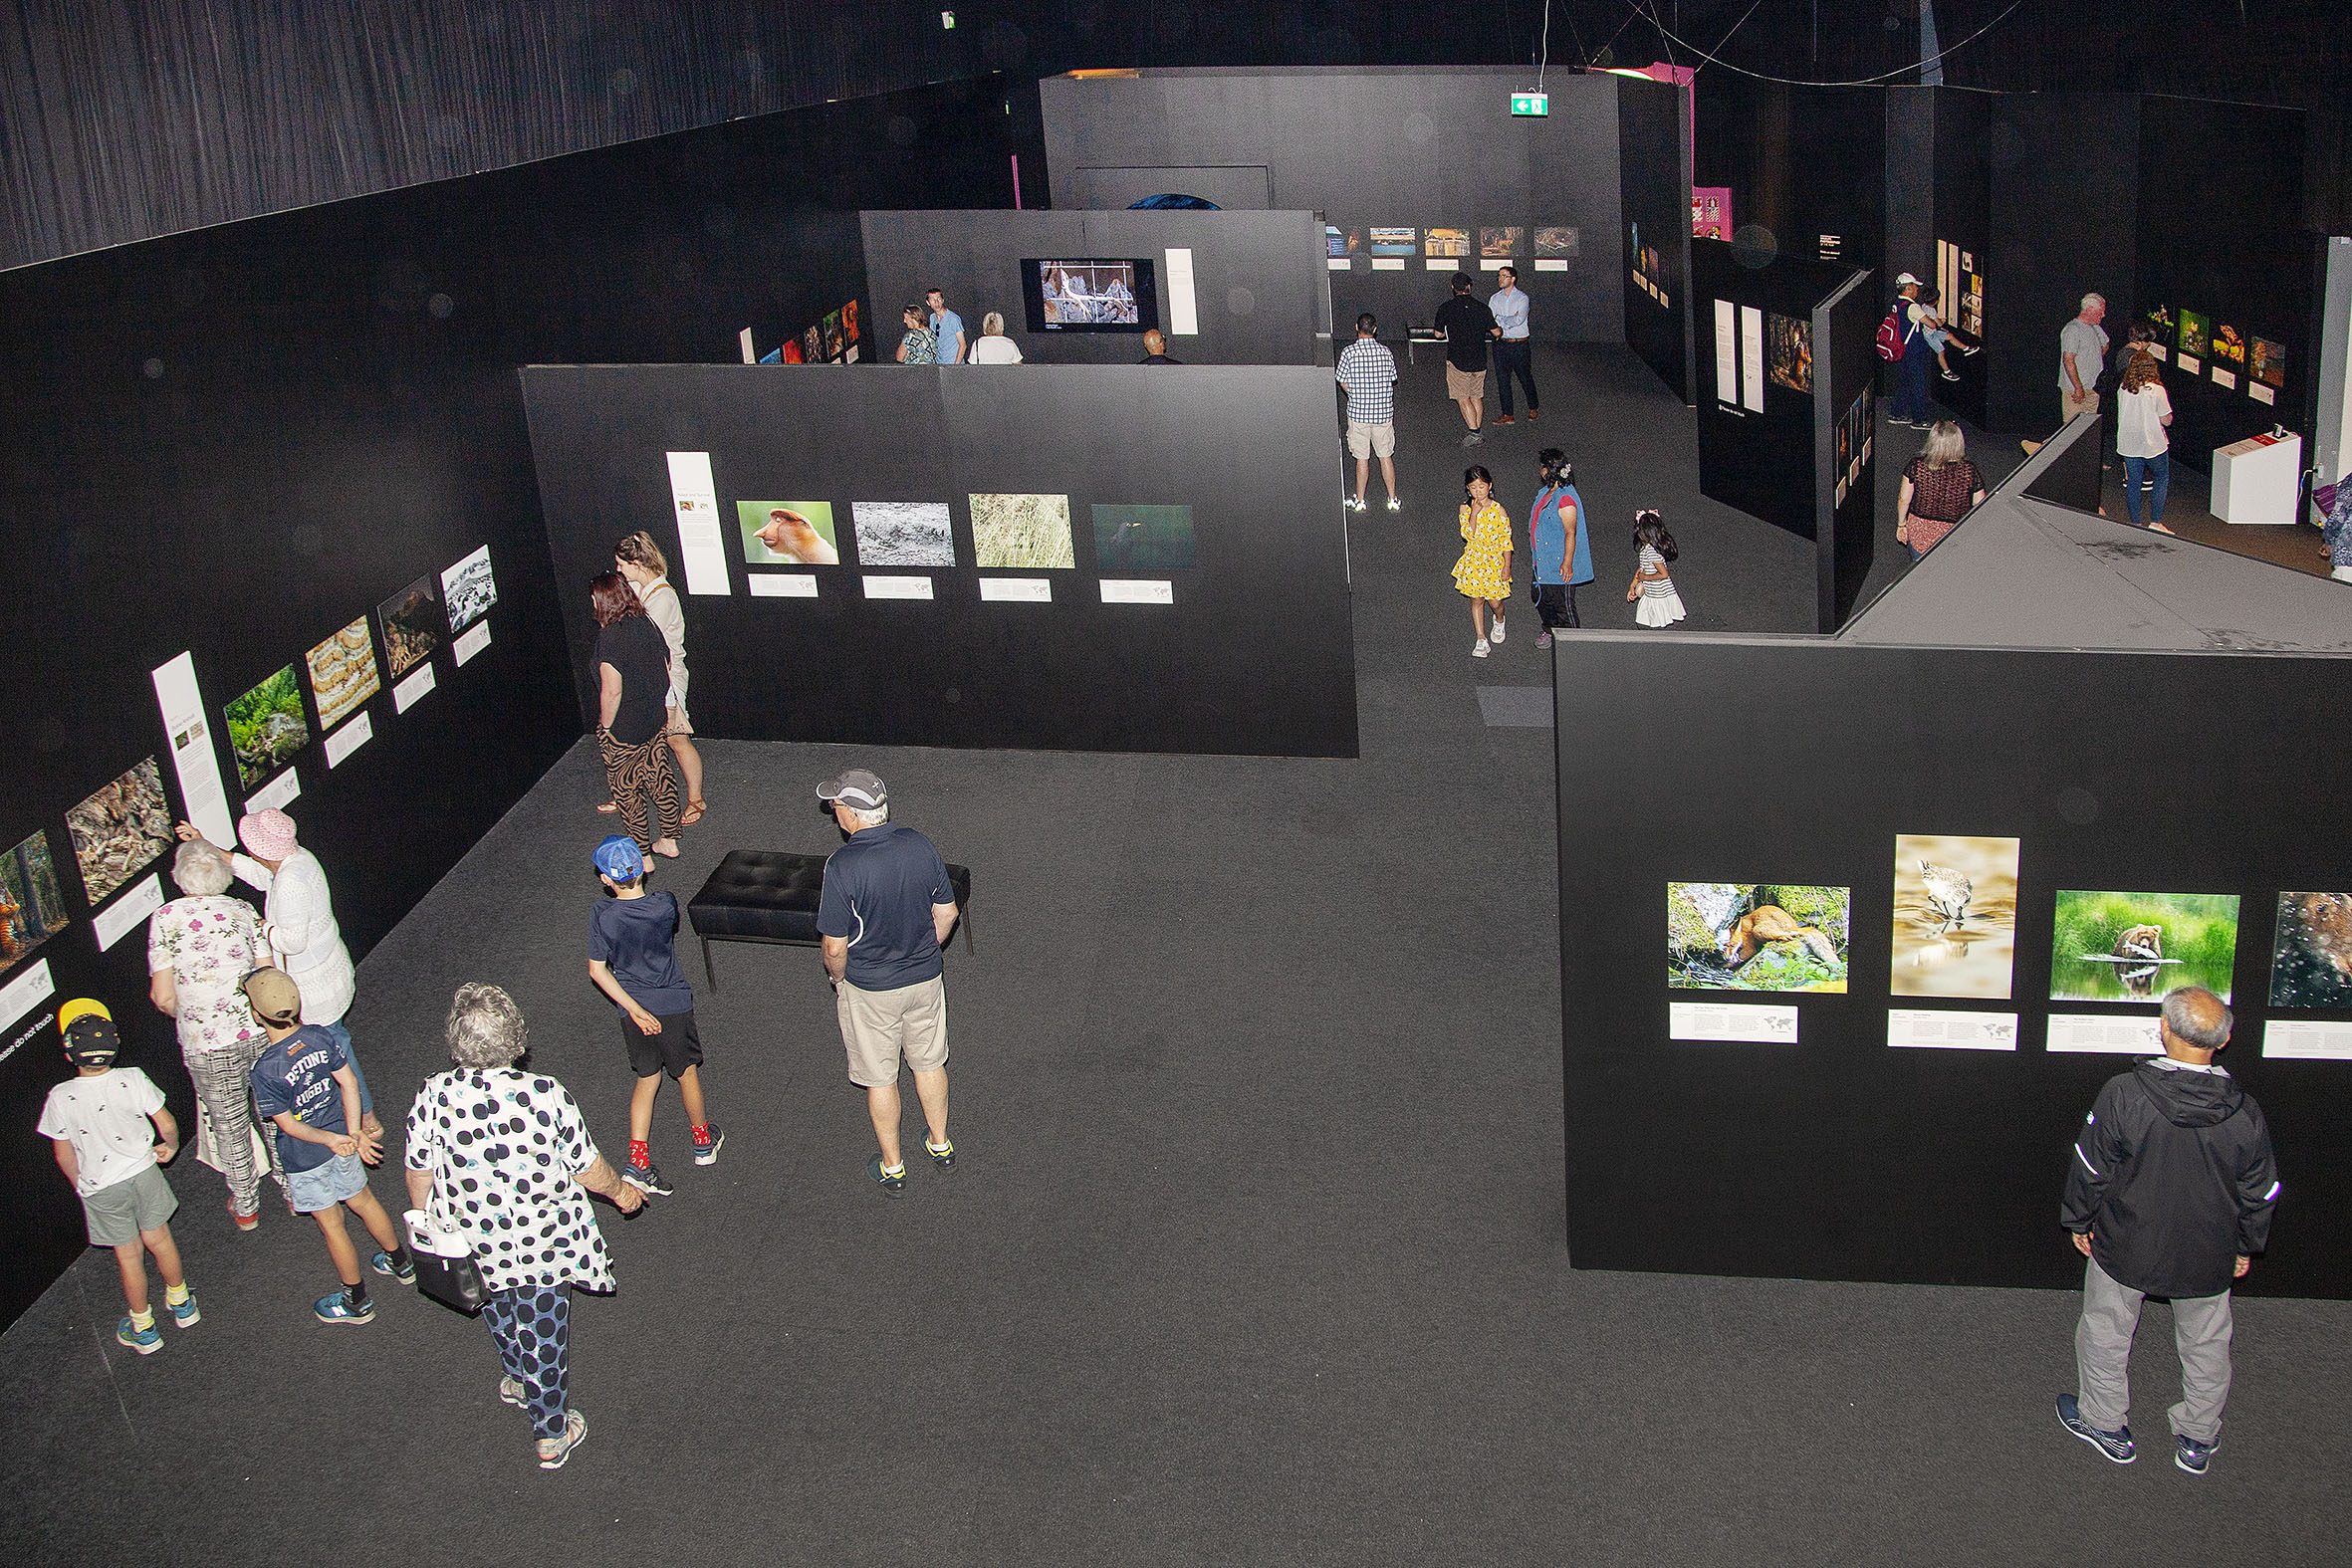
[
  {"x": 632, "y": 957},
  {"x": 305, "y": 1085}
]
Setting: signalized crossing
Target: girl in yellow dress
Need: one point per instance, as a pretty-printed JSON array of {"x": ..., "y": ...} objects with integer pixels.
[{"x": 1482, "y": 574}]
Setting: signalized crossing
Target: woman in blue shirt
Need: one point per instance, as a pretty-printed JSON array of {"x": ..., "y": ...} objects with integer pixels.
[{"x": 1557, "y": 544}]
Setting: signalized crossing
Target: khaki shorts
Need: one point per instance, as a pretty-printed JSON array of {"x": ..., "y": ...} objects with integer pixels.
[
  {"x": 879, "y": 1026},
  {"x": 1465, "y": 383},
  {"x": 1371, "y": 440},
  {"x": 2069, "y": 407},
  {"x": 119, "y": 1210}
]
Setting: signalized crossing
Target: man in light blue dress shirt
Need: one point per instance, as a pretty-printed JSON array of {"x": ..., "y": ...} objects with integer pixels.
[
  {"x": 1514, "y": 354},
  {"x": 947, "y": 330}
]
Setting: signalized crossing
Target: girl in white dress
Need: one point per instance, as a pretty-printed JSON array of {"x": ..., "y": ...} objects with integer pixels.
[{"x": 1652, "y": 585}]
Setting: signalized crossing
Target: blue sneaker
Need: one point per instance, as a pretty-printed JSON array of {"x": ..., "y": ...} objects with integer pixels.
[
  {"x": 893, "y": 1182},
  {"x": 185, "y": 1315},
  {"x": 2116, "y": 1445},
  {"x": 2193, "y": 1455},
  {"x": 382, "y": 1263},
  {"x": 338, "y": 1309},
  {"x": 146, "y": 1341}
]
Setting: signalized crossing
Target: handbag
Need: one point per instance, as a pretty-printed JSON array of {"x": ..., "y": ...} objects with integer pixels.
[{"x": 445, "y": 1267}]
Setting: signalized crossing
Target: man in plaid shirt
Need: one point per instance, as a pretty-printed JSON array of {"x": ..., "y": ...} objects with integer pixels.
[{"x": 1368, "y": 371}]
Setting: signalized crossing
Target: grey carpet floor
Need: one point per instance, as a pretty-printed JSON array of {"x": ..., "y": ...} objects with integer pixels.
[{"x": 1256, "y": 1251}]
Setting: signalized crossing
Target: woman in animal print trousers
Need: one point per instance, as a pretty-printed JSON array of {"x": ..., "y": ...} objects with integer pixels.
[{"x": 635, "y": 772}]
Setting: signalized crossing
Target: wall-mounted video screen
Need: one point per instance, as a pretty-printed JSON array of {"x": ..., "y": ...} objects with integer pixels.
[{"x": 1091, "y": 296}]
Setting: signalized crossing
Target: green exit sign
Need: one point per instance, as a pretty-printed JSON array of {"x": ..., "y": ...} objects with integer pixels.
[{"x": 1531, "y": 102}]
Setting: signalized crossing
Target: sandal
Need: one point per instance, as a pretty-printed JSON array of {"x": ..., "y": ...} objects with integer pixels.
[
  {"x": 609, "y": 807},
  {"x": 693, "y": 813}
]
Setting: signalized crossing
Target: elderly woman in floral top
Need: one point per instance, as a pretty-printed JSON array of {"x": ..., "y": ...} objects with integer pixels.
[{"x": 200, "y": 947}]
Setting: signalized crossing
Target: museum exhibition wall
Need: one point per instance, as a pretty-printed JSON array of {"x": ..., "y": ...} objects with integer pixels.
[
  {"x": 1653, "y": 164},
  {"x": 1786, "y": 403},
  {"x": 1991, "y": 853},
  {"x": 1228, "y": 287},
  {"x": 1419, "y": 173},
  {"x": 1807, "y": 166},
  {"x": 1077, "y": 557},
  {"x": 282, "y": 447}
]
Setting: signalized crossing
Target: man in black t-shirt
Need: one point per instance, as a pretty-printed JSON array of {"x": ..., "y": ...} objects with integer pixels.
[
  {"x": 887, "y": 908},
  {"x": 1468, "y": 326}
]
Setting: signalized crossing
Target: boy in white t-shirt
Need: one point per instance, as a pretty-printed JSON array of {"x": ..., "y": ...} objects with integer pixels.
[{"x": 98, "y": 1122}]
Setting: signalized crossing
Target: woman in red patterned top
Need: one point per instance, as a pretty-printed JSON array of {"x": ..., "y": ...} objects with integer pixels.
[{"x": 1938, "y": 489}]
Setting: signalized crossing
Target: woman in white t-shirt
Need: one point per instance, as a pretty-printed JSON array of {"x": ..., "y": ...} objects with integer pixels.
[
  {"x": 2142, "y": 410},
  {"x": 994, "y": 348},
  {"x": 641, "y": 562}
]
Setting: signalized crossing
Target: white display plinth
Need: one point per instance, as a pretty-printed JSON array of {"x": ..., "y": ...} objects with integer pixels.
[{"x": 2255, "y": 480}]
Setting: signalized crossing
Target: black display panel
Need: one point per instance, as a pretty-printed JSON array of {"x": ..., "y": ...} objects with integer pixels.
[
  {"x": 1082, "y": 295},
  {"x": 1653, "y": 157},
  {"x": 956, "y": 484},
  {"x": 1806, "y": 166},
  {"x": 1433, "y": 152},
  {"x": 1835, "y": 1155}
]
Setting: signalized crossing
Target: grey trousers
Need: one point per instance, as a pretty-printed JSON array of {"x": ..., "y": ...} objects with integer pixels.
[
  {"x": 2103, "y": 1352},
  {"x": 223, "y": 1081}
]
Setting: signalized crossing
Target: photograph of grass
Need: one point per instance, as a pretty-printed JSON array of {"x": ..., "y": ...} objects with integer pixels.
[
  {"x": 266, "y": 729},
  {"x": 119, "y": 830},
  {"x": 1748, "y": 935},
  {"x": 411, "y": 622},
  {"x": 1021, "y": 531},
  {"x": 2313, "y": 965},
  {"x": 1144, "y": 538},
  {"x": 2135, "y": 947},
  {"x": 1501, "y": 244},
  {"x": 903, "y": 533},
  {"x": 1956, "y": 915},
  {"x": 343, "y": 673},
  {"x": 788, "y": 533},
  {"x": 32, "y": 909}
]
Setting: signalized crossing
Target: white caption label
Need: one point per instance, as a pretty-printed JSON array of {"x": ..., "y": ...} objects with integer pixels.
[
  {"x": 2312, "y": 1039},
  {"x": 1388, "y": 264},
  {"x": 1731, "y": 1020},
  {"x": 1134, "y": 592},
  {"x": 2097, "y": 1032},
  {"x": 277, "y": 792},
  {"x": 472, "y": 642},
  {"x": 784, "y": 586},
  {"x": 1550, "y": 264},
  {"x": 884, "y": 588},
  {"x": 1930, "y": 1030},
  {"x": 348, "y": 738},
  {"x": 406, "y": 694},
  {"x": 127, "y": 912},
  {"x": 25, "y": 993},
  {"x": 193, "y": 757},
  {"x": 1016, "y": 591},
  {"x": 702, "y": 547}
]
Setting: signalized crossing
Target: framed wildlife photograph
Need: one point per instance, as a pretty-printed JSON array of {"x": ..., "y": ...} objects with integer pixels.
[
  {"x": 1956, "y": 916},
  {"x": 2311, "y": 967},
  {"x": 2135, "y": 947},
  {"x": 1757, "y": 936}
]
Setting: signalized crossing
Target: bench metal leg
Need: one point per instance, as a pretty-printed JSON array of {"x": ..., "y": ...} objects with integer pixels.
[{"x": 709, "y": 979}]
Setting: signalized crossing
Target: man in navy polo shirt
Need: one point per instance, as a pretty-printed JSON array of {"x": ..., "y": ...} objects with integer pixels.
[{"x": 887, "y": 909}]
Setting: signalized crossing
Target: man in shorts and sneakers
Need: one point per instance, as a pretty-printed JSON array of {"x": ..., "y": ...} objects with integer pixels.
[
  {"x": 305, "y": 1086},
  {"x": 887, "y": 908},
  {"x": 634, "y": 958},
  {"x": 1468, "y": 325},
  {"x": 1368, "y": 371}
]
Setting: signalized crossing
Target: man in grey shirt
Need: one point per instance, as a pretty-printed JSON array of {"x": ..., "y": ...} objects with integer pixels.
[{"x": 2082, "y": 351}]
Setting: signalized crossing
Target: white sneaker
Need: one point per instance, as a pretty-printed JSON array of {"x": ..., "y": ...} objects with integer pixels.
[
  {"x": 1497, "y": 632},
  {"x": 1478, "y": 650},
  {"x": 1395, "y": 504},
  {"x": 1355, "y": 504}
]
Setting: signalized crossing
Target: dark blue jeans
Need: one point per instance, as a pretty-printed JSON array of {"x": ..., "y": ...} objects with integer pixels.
[
  {"x": 2158, "y": 467},
  {"x": 1911, "y": 389},
  {"x": 1515, "y": 358}
]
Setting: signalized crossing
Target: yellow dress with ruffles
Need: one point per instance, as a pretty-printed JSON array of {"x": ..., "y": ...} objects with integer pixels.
[{"x": 1481, "y": 573}]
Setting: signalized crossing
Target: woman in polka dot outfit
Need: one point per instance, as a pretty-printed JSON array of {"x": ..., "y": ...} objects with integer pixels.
[{"x": 504, "y": 1156}]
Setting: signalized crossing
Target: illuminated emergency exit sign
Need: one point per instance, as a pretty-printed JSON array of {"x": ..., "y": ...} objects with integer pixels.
[{"x": 1530, "y": 103}]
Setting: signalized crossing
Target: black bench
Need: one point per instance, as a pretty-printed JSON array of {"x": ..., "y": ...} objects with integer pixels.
[{"x": 770, "y": 895}]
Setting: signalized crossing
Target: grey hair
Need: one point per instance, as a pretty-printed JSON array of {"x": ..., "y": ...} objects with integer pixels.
[
  {"x": 993, "y": 324},
  {"x": 2198, "y": 1017},
  {"x": 486, "y": 1028},
  {"x": 1945, "y": 445},
  {"x": 2090, "y": 300},
  {"x": 201, "y": 870},
  {"x": 873, "y": 818}
]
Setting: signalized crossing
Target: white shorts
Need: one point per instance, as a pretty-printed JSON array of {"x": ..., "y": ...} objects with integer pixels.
[{"x": 1371, "y": 440}]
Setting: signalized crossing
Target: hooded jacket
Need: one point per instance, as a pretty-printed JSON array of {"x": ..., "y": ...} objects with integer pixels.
[{"x": 2174, "y": 1179}]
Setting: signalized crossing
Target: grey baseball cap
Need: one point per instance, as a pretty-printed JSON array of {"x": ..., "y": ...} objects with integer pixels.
[{"x": 855, "y": 788}]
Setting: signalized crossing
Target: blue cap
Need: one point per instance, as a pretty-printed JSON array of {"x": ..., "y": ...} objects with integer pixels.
[{"x": 620, "y": 858}]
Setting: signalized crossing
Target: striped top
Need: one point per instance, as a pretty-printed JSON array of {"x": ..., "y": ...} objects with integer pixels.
[{"x": 1655, "y": 588}]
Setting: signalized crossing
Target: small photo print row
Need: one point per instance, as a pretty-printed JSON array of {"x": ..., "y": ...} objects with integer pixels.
[{"x": 1010, "y": 532}]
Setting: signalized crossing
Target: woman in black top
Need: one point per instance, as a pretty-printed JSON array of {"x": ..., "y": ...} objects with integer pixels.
[{"x": 633, "y": 682}]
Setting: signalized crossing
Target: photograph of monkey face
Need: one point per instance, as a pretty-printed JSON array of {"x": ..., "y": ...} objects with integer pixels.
[
  {"x": 2313, "y": 965},
  {"x": 788, "y": 533},
  {"x": 1956, "y": 915},
  {"x": 1750, "y": 936}
]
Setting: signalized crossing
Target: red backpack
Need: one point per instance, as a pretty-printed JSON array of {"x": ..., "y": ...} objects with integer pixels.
[{"x": 1891, "y": 334}]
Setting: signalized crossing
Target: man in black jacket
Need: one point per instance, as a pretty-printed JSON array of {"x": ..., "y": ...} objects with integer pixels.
[{"x": 2169, "y": 1193}]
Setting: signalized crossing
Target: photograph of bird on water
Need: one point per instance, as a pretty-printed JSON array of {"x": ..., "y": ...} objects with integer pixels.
[
  {"x": 2135, "y": 947},
  {"x": 1956, "y": 915}
]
